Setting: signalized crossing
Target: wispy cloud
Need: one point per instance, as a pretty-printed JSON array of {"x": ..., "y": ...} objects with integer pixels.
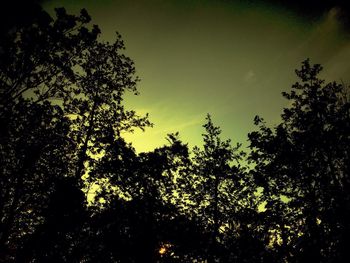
[
  {"x": 165, "y": 122},
  {"x": 249, "y": 76},
  {"x": 179, "y": 125},
  {"x": 326, "y": 39}
]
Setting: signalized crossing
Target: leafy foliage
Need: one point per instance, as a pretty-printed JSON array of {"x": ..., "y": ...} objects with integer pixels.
[
  {"x": 305, "y": 159},
  {"x": 73, "y": 190}
]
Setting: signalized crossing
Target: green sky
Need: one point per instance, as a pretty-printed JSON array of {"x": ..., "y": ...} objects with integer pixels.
[{"x": 231, "y": 59}]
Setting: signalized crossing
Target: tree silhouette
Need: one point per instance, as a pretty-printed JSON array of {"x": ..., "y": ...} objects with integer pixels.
[
  {"x": 305, "y": 158},
  {"x": 61, "y": 99},
  {"x": 216, "y": 182},
  {"x": 34, "y": 153},
  {"x": 60, "y": 237},
  {"x": 62, "y": 122},
  {"x": 142, "y": 187},
  {"x": 95, "y": 99},
  {"x": 38, "y": 55}
]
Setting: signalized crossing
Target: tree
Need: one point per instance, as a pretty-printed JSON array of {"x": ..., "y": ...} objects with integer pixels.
[
  {"x": 62, "y": 122},
  {"x": 35, "y": 151},
  {"x": 38, "y": 55},
  {"x": 306, "y": 160},
  {"x": 61, "y": 236},
  {"x": 61, "y": 94},
  {"x": 140, "y": 190},
  {"x": 217, "y": 184},
  {"x": 94, "y": 101}
]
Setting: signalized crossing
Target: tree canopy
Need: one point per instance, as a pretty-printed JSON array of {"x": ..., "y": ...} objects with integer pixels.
[{"x": 73, "y": 189}]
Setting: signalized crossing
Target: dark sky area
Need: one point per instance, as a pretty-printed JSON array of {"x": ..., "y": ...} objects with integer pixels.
[{"x": 228, "y": 58}]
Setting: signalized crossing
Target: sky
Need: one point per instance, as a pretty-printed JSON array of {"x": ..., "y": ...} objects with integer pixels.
[{"x": 231, "y": 59}]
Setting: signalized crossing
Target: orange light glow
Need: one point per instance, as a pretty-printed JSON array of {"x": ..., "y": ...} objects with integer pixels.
[{"x": 162, "y": 250}]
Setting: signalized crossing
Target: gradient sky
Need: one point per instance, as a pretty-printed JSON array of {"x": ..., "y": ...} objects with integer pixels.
[{"x": 231, "y": 59}]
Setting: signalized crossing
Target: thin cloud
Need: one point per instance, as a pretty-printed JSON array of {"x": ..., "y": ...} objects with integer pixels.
[{"x": 249, "y": 76}]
